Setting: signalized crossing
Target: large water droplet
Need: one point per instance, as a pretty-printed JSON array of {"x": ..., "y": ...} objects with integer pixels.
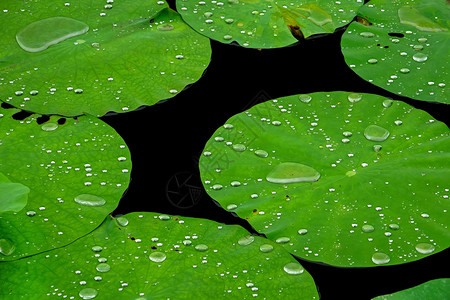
[
  {"x": 293, "y": 268},
  {"x": 103, "y": 267},
  {"x": 367, "y": 228},
  {"x": 305, "y": 98},
  {"x": 49, "y": 126},
  {"x": 420, "y": 57},
  {"x": 283, "y": 240},
  {"x": 157, "y": 257},
  {"x": 88, "y": 293},
  {"x": 354, "y": 97},
  {"x": 6, "y": 247},
  {"x": 201, "y": 247},
  {"x": 424, "y": 248},
  {"x": 290, "y": 172},
  {"x": 380, "y": 258},
  {"x": 89, "y": 200},
  {"x": 246, "y": 240},
  {"x": 239, "y": 147},
  {"x": 265, "y": 248},
  {"x": 261, "y": 153},
  {"x": 376, "y": 133},
  {"x": 122, "y": 221},
  {"x": 40, "y": 35}
]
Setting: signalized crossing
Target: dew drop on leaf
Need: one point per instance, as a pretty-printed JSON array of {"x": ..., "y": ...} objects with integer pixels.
[
  {"x": 88, "y": 293},
  {"x": 265, "y": 248},
  {"x": 293, "y": 268},
  {"x": 380, "y": 258},
  {"x": 157, "y": 257},
  {"x": 290, "y": 172},
  {"x": 89, "y": 200},
  {"x": 6, "y": 247},
  {"x": 246, "y": 240},
  {"x": 376, "y": 133},
  {"x": 425, "y": 248}
]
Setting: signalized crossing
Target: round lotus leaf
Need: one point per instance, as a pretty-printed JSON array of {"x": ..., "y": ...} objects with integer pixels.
[
  {"x": 266, "y": 24},
  {"x": 433, "y": 289},
  {"x": 402, "y": 47},
  {"x": 92, "y": 57},
  {"x": 351, "y": 180},
  {"x": 160, "y": 257},
  {"x": 71, "y": 173}
]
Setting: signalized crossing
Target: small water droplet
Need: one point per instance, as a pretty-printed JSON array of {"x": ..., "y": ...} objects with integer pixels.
[
  {"x": 122, "y": 221},
  {"x": 372, "y": 61},
  {"x": 227, "y": 37},
  {"x": 49, "y": 126},
  {"x": 293, "y": 268},
  {"x": 246, "y": 240},
  {"x": 235, "y": 183},
  {"x": 231, "y": 206},
  {"x": 387, "y": 103},
  {"x": 398, "y": 122},
  {"x": 88, "y": 293},
  {"x": 6, "y": 247},
  {"x": 31, "y": 213},
  {"x": 394, "y": 226},
  {"x": 425, "y": 248},
  {"x": 157, "y": 257},
  {"x": 89, "y": 200},
  {"x": 367, "y": 34},
  {"x": 201, "y": 247},
  {"x": 283, "y": 240},
  {"x": 164, "y": 217},
  {"x": 347, "y": 133},
  {"x": 291, "y": 172},
  {"x": 217, "y": 187},
  {"x": 376, "y": 133},
  {"x": 377, "y": 148},
  {"x": 265, "y": 248},
  {"x": 380, "y": 258},
  {"x": 103, "y": 267}
]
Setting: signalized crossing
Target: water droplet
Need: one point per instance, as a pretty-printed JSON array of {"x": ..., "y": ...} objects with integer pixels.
[
  {"x": 367, "y": 228},
  {"x": 394, "y": 226},
  {"x": 276, "y": 123},
  {"x": 228, "y": 126},
  {"x": 217, "y": 187},
  {"x": 404, "y": 70},
  {"x": 345, "y": 141},
  {"x": 246, "y": 240},
  {"x": 201, "y": 247},
  {"x": 78, "y": 91},
  {"x": 227, "y": 37},
  {"x": 367, "y": 34},
  {"x": 372, "y": 61},
  {"x": 350, "y": 173},
  {"x": 229, "y": 21},
  {"x": 157, "y": 257},
  {"x": 398, "y": 122},
  {"x": 420, "y": 57},
  {"x": 376, "y": 133},
  {"x": 34, "y": 92},
  {"x": 40, "y": 35},
  {"x": 293, "y": 268},
  {"x": 88, "y": 293},
  {"x": 89, "y": 200},
  {"x": 354, "y": 97},
  {"x": 231, "y": 206},
  {"x": 261, "y": 153},
  {"x": 377, "y": 148},
  {"x": 31, "y": 213},
  {"x": 305, "y": 98},
  {"x": 122, "y": 221},
  {"x": 380, "y": 258},
  {"x": 235, "y": 183},
  {"x": 387, "y": 103},
  {"x": 303, "y": 231},
  {"x": 283, "y": 240},
  {"x": 291, "y": 172},
  {"x": 103, "y": 267},
  {"x": 425, "y": 248},
  {"x": 6, "y": 247},
  {"x": 164, "y": 217},
  {"x": 347, "y": 133},
  {"x": 49, "y": 126},
  {"x": 165, "y": 27},
  {"x": 422, "y": 40},
  {"x": 239, "y": 147},
  {"x": 97, "y": 248},
  {"x": 265, "y": 248}
]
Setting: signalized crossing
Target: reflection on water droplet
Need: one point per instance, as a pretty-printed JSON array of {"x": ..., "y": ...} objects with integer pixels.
[
  {"x": 89, "y": 200},
  {"x": 239, "y": 147},
  {"x": 88, "y": 293},
  {"x": 293, "y": 268},
  {"x": 6, "y": 247},
  {"x": 165, "y": 27},
  {"x": 103, "y": 267},
  {"x": 354, "y": 97},
  {"x": 420, "y": 57},
  {"x": 261, "y": 153},
  {"x": 265, "y": 248},
  {"x": 376, "y": 133},
  {"x": 201, "y": 247},
  {"x": 49, "y": 126},
  {"x": 303, "y": 231},
  {"x": 367, "y": 228},
  {"x": 380, "y": 258},
  {"x": 291, "y": 172},
  {"x": 122, "y": 221},
  {"x": 40, "y": 35},
  {"x": 157, "y": 257},
  {"x": 305, "y": 98},
  {"x": 387, "y": 103},
  {"x": 425, "y": 248},
  {"x": 246, "y": 240}
]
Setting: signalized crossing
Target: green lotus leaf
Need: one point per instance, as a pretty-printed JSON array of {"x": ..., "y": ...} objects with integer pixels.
[
  {"x": 151, "y": 256},
  {"x": 13, "y": 196},
  {"x": 72, "y": 173},
  {"x": 433, "y": 289},
  {"x": 92, "y": 57},
  {"x": 351, "y": 180},
  {"x": 266, "y": 24},
  {"x": 402, "y": 47}
]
